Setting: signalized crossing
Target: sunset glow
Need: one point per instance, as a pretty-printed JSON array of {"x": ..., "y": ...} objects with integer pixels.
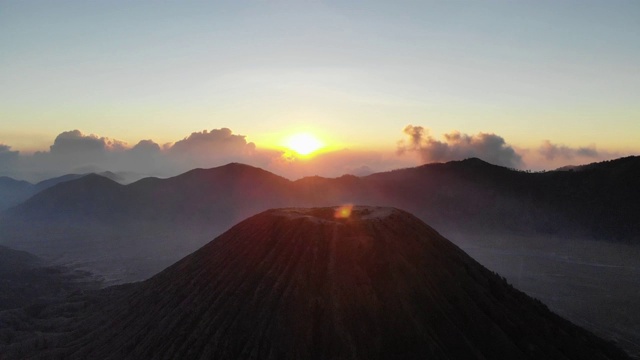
[
  {"x": 343, "y": 212},
  {"x": 314, "y": 88},
  {"x": 304, "y": 144}
]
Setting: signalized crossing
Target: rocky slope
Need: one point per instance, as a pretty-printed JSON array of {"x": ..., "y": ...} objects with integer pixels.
[{"x": 321, "y": 283}]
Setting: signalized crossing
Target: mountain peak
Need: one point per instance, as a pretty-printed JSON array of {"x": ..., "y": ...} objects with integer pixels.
[
  {"x": 473, "y": 160},
  {"x": 228, "y": 169},
  {"x": 348, "y": 282},
  {"x": 337, "y": 214},
  {"x": 97, "y": 178},
  {"x": 475, "y": 163}
]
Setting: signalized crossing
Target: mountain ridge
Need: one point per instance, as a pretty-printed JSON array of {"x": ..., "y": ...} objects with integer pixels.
[{"x": 601, "y": 202}]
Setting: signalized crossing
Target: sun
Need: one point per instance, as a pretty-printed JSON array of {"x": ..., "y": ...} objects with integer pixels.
[{"x": 303, "y": 143}]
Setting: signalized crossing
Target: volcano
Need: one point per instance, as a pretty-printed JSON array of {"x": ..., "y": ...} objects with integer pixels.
[{"x": 328, "y": 283}]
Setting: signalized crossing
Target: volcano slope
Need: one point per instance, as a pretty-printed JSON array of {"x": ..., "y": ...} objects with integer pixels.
[{"x": 377, "y": 283}]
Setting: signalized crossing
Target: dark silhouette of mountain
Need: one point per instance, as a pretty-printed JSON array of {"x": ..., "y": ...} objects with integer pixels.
[
  {"x": 13, "y": 192},
  {"x": 168, "y": 218},
  {"x": 88, "y": 196},
  {"x": 45, "y": 184},
  {"x": 600, "y": 200},
  {"x": 26, "y": 279},
  {"x": 113, "y": 176},
  {"x": 224, "y": 194},
  {"x": 377, "y": 283},
  {"x": 138, "y": 229}
]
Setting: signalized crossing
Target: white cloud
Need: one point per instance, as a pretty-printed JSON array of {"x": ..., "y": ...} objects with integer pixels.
[{"x": 458, "y": 146}]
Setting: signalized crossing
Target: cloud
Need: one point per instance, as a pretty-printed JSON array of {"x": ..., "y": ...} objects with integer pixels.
[
  {"x": 8, "y": 158},
  {"x": 213, "y": 142},
  {"x": 200, "y": 148},
  {"x": 146, "y": 147},
  {"x": 71, "y": 142},
  {"x": 74, "y": 142},
  {"x": 458, "y": 146},
  {"x": 75, "y": 152},
  {"x": 550, "y": 155},
  {"x": 552, "y": 151},
  {"x": 5, "y": 151}
]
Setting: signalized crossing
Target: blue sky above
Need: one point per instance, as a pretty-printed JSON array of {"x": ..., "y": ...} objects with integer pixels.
[{"x": 354, "y": 73}]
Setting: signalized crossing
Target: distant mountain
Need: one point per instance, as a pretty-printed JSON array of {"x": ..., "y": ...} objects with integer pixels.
[
  {"x": 373, "y": 283},
  {"x": 160, "y": 220},
  {"x": 45, "y": 184},
  {"x": 13, "y": 192},
  {"x": 600, "y": 200},
  {"x": 84, "y": 196},
  {"x": 129, "y": 232},
  {"x": 223, "y": 195},
  {"x": 123, "y": 177}
]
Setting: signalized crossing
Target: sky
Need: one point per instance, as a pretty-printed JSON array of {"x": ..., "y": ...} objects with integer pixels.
[{"x": 156, "y": 88}]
